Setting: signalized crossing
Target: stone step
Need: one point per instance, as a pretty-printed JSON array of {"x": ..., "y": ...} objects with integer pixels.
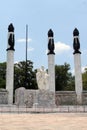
[{"x": 24, "y": 109}]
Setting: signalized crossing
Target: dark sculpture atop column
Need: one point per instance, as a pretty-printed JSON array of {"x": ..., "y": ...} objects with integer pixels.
[
  {"x": 76, "y": 42},
  {"x": 50, "y": 42},
  {"x": 11, "y": 37}
]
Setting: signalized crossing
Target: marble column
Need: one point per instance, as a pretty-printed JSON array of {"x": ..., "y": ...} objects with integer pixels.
[
  {"x": 77, "y": 64},
  {"x": 51, "y": 72},
  {"x": 78, "y": 77},
  {"x": 10, "y": 64},
  {"x": 51, "y": 61}
]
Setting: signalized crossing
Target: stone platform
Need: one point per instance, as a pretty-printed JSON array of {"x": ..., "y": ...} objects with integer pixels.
[{"x": 59, "y": 109}]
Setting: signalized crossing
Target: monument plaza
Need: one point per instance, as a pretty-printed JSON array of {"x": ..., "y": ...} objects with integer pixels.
[{"x": 45, "y": 98}]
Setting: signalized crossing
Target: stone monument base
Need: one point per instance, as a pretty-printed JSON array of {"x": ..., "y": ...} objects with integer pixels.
[
  {"x": 34, "y": 98},
  {"x": 44, "y": 99},
  {"x": 3, "y": 96}
]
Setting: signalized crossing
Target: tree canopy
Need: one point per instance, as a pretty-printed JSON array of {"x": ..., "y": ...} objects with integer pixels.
[
  {"x": 23, "y": 78},
  {"x": 3, "y": 75},
  {"x": 63, "y": 77},
  {"x": 84, "y": 79}
]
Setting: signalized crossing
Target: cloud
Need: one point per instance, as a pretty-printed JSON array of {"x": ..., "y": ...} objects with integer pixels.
[
  {"x": 16, "y": 62},
  {"x": 30, "y": 49},
  {"x": 84, "y": 2},
  {"x": 22, "y": 40},
  {"x": 61, "y": 48},
  {"x": 84, "y": 51},
  {"x": 82, "y": 70}
]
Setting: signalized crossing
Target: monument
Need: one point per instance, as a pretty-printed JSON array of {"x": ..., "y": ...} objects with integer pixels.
[
  {"x": 51, "y": 61},
  {"x": 77, "y": 63},
  {"x": 10, "y": 64},
  {"x": 45, "y": 96}
]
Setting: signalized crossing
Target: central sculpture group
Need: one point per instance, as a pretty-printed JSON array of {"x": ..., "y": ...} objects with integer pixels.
[{"x": 42, "y": 79}]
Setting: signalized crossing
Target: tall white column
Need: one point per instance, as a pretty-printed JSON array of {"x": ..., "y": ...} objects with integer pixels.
[
  {"x": 10, "y": 75},
  {"x": 10, "y": 64},
  {"x": 51, "y": 71},
  {"x": 77, "y": 64},
  {"x": 78, "y": 77},
  {"x": 51, "y": 61}
]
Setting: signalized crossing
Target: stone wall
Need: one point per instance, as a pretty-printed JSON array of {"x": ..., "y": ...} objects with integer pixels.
[
  {"x": 3, "y": 96},
  {"x": 45, "y": 98},
  {"x": 65, "y": 98},
  {"x": 84, "y": 98},
  {"x": 20, "y": 96},
  {"x": 69, "y": 98},
  {"x": 40, "y": 98},
  {"x": 34, "y": 98}
]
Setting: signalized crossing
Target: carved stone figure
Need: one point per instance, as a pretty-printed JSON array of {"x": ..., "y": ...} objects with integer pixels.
[
  {"x": 50, "y": 42},
  {"x": 76, "y": 43},
  {"x": 11, "y": 37},
  {"x": 42, "y": 79}
]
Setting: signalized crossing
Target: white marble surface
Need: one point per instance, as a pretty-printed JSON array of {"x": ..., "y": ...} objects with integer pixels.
[
  {"x": 51, "y": 72},
  {"x": 78, "y": 77},
  {"x": 20, "y": 97},
  {"x": 42, "y": 79},
  {"x": 10, "y": 75}
]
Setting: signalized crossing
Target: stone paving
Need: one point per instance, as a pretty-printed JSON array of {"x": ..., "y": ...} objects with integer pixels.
[{"x": 46, "y": 121}]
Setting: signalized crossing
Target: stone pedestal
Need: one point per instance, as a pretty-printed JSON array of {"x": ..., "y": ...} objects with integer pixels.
[
  {"x": 44, "y": 99},
  {"x": 20, "y": 96},
  {"x": 51, "y": 72},
  {"x": 78, "y": 77},
  {"x": 10, "y": 75},
  {"x": 34, "y": 98},
  {"x": 3, "y": 96}
]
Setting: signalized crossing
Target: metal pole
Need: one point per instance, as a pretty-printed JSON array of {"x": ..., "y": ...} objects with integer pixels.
[{"x": 26, "y": 56}]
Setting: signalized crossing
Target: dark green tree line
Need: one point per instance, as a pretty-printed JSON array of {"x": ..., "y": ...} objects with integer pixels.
[
  {"x": 63, "y": 77},
  {"x": 3, "y": 75},
  {"x": 84, "y": 79},
  {"x": 23, "y": 79}
]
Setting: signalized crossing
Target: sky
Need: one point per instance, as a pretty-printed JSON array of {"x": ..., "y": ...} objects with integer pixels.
[{"x": 62, "y": 16}]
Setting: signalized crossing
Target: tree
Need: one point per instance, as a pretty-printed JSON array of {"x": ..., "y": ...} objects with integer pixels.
[
  {"x": 63, "y": 77},
  {"x": 20, "y": 75},
  {"x": 84, "y": 79},
  {"x": 3, "y": 75},
  {"x": 70, "y": 83}
]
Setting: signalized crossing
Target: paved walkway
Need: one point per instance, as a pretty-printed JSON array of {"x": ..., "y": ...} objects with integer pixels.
[{"x": 39, "y": 121}]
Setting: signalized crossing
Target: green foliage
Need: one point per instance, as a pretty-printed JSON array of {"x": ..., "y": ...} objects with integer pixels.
[
  {"x": 84, "y": 79},
  {"x": 24, "y": 78},
  {"x": 3, "y": 75},
  {"x": 70, "y": 84},
  {"x": 63, "y": 78}
]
